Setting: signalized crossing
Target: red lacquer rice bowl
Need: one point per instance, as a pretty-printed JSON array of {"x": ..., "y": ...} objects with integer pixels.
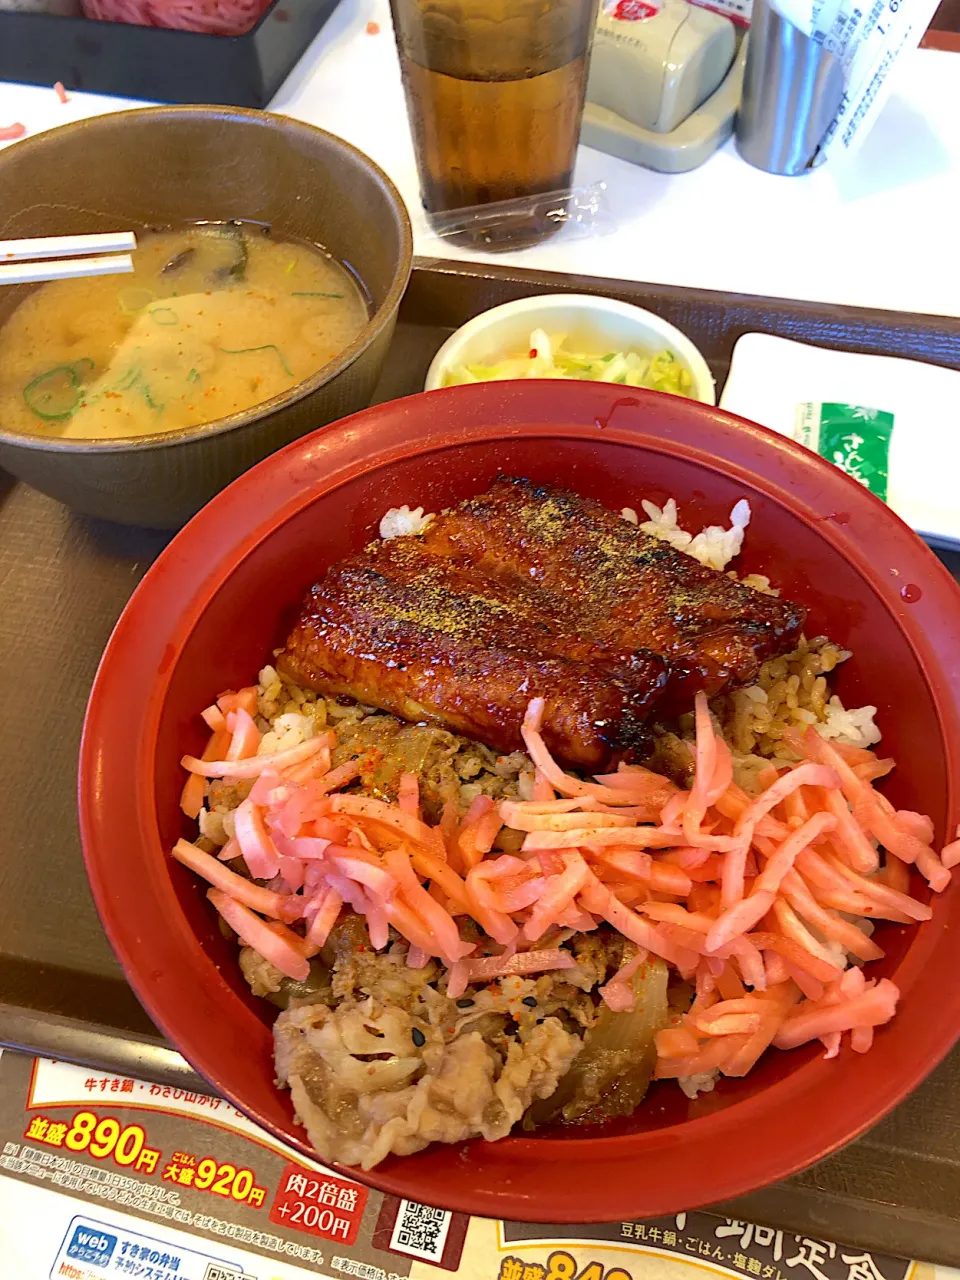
[{"x": 219, "y": 599}]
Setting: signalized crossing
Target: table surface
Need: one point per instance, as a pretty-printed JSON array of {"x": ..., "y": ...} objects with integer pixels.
[{"x": 857, "y": 235}]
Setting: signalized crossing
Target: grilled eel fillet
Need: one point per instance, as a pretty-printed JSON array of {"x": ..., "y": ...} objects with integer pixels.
[
  {"x": 430, "y": 638},
  {"x": 632, "y": 591}
]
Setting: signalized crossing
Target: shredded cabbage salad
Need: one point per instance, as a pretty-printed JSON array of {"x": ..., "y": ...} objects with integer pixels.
[{"x": 545, "y": 358}]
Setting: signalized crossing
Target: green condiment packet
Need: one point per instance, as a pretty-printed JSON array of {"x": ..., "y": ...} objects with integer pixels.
[{"x": 854, "y": 438}]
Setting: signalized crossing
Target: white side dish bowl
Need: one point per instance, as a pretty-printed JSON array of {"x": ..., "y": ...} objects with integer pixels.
[{"x": 591, "y": 324}]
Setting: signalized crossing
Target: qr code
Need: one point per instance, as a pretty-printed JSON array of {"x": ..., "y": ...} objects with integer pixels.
[{"x": 420, "y": 1230}]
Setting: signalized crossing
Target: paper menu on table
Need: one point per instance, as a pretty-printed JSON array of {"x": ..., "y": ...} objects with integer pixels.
[
  {"x": 104, "y": 1176},
  {"x": 868, "y": 36},
  {"x": 781, "y": 384}
]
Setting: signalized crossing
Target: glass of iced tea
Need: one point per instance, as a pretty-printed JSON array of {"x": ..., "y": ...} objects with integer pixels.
[{"x": 495, "y": 94}]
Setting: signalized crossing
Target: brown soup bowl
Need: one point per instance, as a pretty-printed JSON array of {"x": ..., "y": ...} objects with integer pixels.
[{"x": 165, "y": 166}]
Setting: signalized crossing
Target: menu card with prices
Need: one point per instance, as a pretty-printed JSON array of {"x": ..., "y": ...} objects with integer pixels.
[{"x": 104, "y": 1177}]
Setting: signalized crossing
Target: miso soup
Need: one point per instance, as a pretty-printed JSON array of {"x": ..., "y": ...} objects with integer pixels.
[{"x": 215, "y": 318}]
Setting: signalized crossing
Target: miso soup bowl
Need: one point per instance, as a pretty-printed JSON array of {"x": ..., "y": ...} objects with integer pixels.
[
  {"x": 222, "y": 596},
  {"x": 164, "y": 166}
]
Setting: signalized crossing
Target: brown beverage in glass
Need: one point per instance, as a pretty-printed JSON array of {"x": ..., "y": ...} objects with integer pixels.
[{"x": 495, "y": 93}]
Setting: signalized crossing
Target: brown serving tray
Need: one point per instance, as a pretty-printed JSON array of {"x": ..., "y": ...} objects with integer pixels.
[
  {"x": 944, "y": 30},
  {"x": 64, "y": 580}
]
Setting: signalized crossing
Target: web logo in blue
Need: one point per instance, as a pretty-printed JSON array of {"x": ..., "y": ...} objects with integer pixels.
[{"x": 89, "y": 1244}]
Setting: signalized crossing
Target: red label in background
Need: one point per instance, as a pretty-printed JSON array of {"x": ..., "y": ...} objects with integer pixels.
[
  {"x": 633, "y": 10},
  {"x": 319, "y": 1204}
]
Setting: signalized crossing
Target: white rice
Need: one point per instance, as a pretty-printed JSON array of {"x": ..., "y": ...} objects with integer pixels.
[
  {"x": 855, "y": 727},
  {"x": 401, "y": 522},
  {"x": 211, "y": 825},
  {"x": 792, "y": 699},
  {"x": 703, "y": 1082},
  {"x": 714, "y": 546},
  {"x": 285, "y": 731},
  {"x": 759, "y": 582}
]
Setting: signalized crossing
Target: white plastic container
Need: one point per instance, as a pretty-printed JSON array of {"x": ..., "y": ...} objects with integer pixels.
[
  {"x": 592, "y": 324},
  {"x": 773, "y": 380}
]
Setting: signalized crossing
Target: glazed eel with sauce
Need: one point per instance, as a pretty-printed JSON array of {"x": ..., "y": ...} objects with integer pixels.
[{"x": 532, "y": 591}]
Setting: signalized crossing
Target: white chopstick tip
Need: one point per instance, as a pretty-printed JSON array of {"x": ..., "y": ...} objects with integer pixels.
[
  {"x": 40, "y": 247},
  {"x": 66, "y": 269}
]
